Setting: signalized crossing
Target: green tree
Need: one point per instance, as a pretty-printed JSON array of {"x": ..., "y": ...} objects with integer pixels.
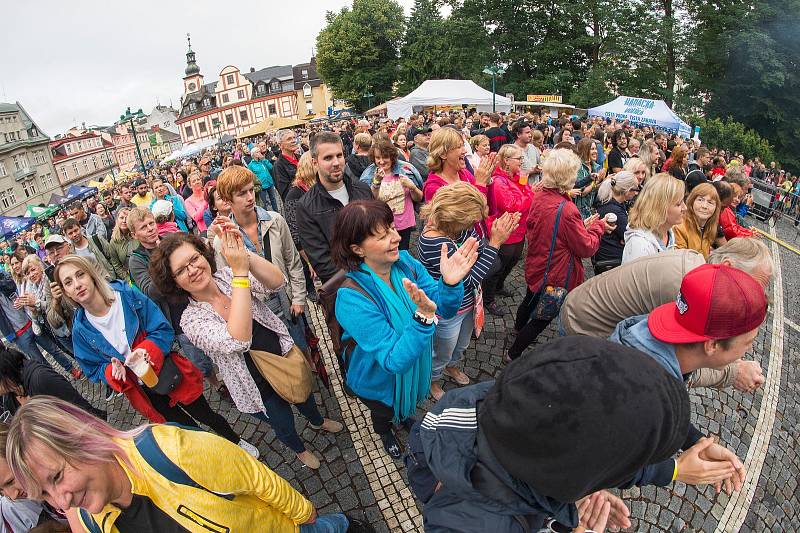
[
  {"x": 421, "y": 56},
  {"x": 357, "y": 50},
  {"x": 735, "y": 137}
]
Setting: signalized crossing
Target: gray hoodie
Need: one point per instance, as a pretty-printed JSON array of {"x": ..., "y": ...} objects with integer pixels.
[{"x": 642, "y": 242}]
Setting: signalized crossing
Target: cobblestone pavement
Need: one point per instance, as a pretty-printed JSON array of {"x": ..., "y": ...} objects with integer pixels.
[{"x": 356, "y": 476}]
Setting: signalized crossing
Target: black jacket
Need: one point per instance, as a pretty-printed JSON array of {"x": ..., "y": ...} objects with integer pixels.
[
  {"x": 39, "y": 379},
  {"x": 355, "y": 166},
  {"x": 612, "y": 244},
  {"x": 283, "y": 171},
  {"x": 316, "y": 212}
]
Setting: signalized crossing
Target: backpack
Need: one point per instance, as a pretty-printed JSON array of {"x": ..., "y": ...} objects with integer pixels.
[
  {"x": 154, "y": 456},
  {"x": 327, "y": 300}
]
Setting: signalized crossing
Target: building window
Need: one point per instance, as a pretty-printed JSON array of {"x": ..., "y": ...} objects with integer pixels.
[
  {"x": 47, "y": 181},
  {"x": 229, "y": 119},
  {"x": 192, "y": 106},
  {"x": 64, "y": 175},
  {"x": 309, "y": 108},
  {"x": 261, "y": 89},
  {"x": 201, "y": 127},
  {"x": 306, "y": 90},
  {"x": 69, "y": 148},
  {"x": 5, "y": 200},
  {"x": 29, "y": 187},
  {"x": 94, "y": 161},
  {"x": 230, "y": 79},
  {"x": 80, "y": 147},
  {"x": 275, "y": 86},
  {"x": 272, "y": 109},
  {"x": 225, "y": 98},
  {"x": 243, "y": 115},
  {"x": 75, "y": 168},
  {"x": 3, "y": 171},
  {"x": 240, "y": 94},
  {"x": 21, "y": 162},
  {"x": 189, "y": 132},
  {"x": 85, "y": 165},
  {"x": 34, "y": 132},
  {"x": 304, "y": 73}
]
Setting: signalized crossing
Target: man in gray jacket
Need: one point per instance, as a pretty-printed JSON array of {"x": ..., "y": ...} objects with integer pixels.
[
  {"x": 419, "y": 152},
  {"x": 91, "y": 223}
]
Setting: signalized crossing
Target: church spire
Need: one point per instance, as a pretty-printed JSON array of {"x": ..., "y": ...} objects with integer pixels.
[{"x": 191, "y": 64}]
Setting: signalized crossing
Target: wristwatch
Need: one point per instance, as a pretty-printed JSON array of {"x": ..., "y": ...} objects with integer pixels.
[{"x": 425, "y": 321}]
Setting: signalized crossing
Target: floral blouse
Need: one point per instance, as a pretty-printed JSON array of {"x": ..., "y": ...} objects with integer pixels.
[{"x": 208, "y": 331}]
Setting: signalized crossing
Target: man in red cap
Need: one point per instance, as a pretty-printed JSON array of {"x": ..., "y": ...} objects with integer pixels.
[{"x": 713, "y": 322}]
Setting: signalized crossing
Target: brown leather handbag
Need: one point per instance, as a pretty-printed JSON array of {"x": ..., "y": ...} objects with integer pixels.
[{"x": 289, "y": 375}]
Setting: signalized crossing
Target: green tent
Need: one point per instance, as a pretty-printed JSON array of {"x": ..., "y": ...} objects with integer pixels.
[{"x": 38, "y": 212}]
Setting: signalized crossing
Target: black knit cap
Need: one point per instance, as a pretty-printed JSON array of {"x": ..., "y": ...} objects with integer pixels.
[{"x": 581, "y": 414}]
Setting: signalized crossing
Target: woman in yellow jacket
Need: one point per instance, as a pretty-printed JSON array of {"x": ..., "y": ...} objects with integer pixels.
[
  {"x": 699, "y": 227},
  {"x": 161, "y": 478}
]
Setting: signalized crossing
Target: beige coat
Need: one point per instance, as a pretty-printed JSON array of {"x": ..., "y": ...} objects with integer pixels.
[{"x": 283, "y": 253}]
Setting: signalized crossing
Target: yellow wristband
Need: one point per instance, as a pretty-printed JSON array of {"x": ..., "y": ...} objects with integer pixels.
[
  {"x": 240, "y": 283},
  {"x": 675, "y": 471}
]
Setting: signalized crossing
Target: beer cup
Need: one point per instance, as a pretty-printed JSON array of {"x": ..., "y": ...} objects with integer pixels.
[{"x": 142, "y": 368}]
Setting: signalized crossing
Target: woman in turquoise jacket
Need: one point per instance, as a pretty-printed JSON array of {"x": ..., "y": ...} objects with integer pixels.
[{"x": 388, "y": 305}]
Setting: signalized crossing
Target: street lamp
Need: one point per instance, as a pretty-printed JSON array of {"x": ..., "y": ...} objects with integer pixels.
[
  {"x": 216, "y": 124},
  {"x": 129, "y": 117},
  {"x": 369, "y": 96},
  {"x": 494, "y": 71}
]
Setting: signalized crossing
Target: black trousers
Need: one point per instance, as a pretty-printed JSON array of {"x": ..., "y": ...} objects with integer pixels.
[
  {"x": 528, "y": 330},
  {"x": 191, "y": 414},
  {"x": 405, "y": 238},
  {"x": 507, "y": 258},
  {"x": 381, "y": 414}
]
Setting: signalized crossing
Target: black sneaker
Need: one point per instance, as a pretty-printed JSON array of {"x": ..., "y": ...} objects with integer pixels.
[
  {"x": 391, "y": 446},
  {"x": 504, "y": 292},
  {"x": 492, "y": 309},
  {"x": 358, "y": 526}
]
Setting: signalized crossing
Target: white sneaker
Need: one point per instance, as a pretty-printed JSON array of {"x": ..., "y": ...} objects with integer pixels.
[{"x": 249, "y": 448}]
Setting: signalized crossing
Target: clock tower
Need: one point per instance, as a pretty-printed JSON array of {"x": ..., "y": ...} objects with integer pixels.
[{"x": 193, "y": 80}]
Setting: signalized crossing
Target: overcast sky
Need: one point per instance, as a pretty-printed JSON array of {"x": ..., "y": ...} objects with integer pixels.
[{"x": 87, "y": 60}]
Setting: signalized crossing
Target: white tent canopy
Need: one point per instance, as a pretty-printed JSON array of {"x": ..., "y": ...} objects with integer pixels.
[
  {"x": 446, "y": 93},
  {"x": 644, "y": 112}
]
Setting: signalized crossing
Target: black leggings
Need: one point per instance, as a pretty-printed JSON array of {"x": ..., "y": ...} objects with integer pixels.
[
  {"x": 508, "y": 256},
  {"x": 382, "y": 415},
  {"x": 192, "y": 413},
  {"x": 405, "y": 238},
  {"x": 528, "y": 330}
]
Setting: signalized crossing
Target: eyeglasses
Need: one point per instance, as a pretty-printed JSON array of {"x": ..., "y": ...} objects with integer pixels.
[{"x": 194, "y": 262}]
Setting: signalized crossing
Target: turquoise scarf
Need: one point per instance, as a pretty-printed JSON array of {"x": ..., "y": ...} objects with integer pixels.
[{"x": 411, "y": 387}]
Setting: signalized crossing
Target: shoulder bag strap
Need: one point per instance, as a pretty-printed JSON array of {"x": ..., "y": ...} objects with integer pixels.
[{"x": 553, "y": 245}]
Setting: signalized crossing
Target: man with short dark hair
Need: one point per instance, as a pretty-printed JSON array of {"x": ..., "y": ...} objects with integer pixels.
[
  {"x": 125, "y": 195},
  {"x": 530, "y": 153},
  {"x": 94, "y": 248},
  {"x": 497, "y": 135},
  {"x": 143, "y": 196},
  {"x": 90, "y": 223},
  {"x": 317, "y": 209}
]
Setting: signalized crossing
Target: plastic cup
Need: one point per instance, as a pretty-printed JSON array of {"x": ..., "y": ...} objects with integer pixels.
[
  {"x": 523, "y": 179},
  {"x": 611, "y": 218},
  {"x": 142, "y": 369}
]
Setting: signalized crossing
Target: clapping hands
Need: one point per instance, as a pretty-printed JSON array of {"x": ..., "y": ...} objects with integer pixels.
[{"x": 455, "y": 267}]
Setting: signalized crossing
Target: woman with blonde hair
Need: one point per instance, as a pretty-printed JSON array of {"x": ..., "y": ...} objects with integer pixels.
[
  {"x": 446, "y": 162},
  {"x": 450, "y": 219},
  {"x": 638, "y": 167},
  {"x": 512, "y": 194},
  {"x": 122, "y": 243},
  {"x": 120, "y": 479},
  {"x": 557, "y": 241},
  {"x": 614, "y": 194},
  {"x": 117, "y": 328},
  {"x": 650, "y": 154},
  {"x": 480, "y": 149},
  {"x": 699, "y": 227},
  {"x": 196, "y": 203},
  {"x": 658, "y": 208}
]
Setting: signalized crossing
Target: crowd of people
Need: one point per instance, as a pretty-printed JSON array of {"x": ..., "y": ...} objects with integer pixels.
[{"x": 406, "y": 234}]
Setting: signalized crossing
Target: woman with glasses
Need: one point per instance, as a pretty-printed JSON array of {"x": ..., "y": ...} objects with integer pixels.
[{"x": 227, "y": 316}]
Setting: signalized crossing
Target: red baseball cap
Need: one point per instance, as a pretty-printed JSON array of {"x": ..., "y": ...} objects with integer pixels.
[{"x": 715, "y": 302}]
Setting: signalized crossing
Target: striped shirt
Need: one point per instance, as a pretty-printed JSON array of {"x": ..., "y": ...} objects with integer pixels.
[{"x": 429, "y": 250}]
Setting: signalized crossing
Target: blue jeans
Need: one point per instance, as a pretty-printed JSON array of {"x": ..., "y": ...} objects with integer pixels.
[
  {"x": 196, "y": 355},
  {"x": 273, "y": 198},
  {"x": 280, "y": 417},
  {"x": 329, "y": 523},
  {"x": 451, "y": 338},
  {"x": 29, "y": 345}
]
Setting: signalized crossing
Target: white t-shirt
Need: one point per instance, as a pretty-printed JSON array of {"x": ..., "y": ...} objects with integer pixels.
[
  {"x": 341, "y": 195},
  {"x": 112, "y": 327},
  {"x": 84, "y": 252}
]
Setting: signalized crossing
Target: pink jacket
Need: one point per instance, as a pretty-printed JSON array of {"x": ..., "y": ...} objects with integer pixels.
[{"x": 511, "y": 197}]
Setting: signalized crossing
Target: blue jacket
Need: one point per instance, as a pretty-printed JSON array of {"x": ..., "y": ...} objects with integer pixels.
[
  {"x": 466, "y": 502},
  {"x": 262, "y": 169},
  {"x": 381, "y": 352},
  {"x": 403, "y": 168},
  {"x": 93, "y": 352}
]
